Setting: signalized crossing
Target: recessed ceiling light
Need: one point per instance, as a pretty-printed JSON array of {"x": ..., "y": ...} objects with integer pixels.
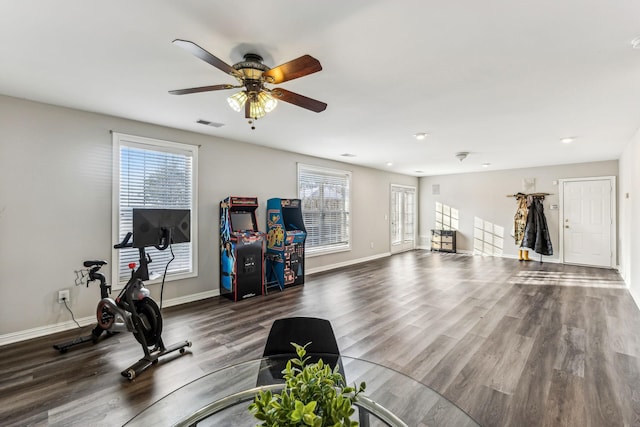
[
  {"x": 486, "y": 165},
  {"x": 389, "y": 164},
  {"x": 420, "y": 135},
  {"x": 419, "y": 171},
  {"x": 347, "y": 155},
  {"x": 635, "y": 43},
  {"x": 567, "y": 140}
]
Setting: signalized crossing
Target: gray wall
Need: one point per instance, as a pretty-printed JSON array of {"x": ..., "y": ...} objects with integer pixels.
[
  {"x": 484, "y": 194},
  {"x": 55, "y": 207}
]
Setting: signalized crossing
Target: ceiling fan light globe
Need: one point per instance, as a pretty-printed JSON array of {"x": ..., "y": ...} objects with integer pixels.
[
  {"x": 236, "y": 101},
  {"x": 269, "y": 102},
  {"x": 256, "y": 110}
]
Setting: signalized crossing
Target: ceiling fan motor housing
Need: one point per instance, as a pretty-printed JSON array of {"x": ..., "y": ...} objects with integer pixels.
[{"x": 252, "y": 67}]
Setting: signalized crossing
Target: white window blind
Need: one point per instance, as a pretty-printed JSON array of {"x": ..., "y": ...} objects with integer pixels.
[
  {"x": 153, "y": 174},
  {"x": 325, "y": 208}
]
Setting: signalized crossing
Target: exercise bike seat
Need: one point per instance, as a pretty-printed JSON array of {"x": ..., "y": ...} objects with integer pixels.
[{"x": 94, "y": 263}]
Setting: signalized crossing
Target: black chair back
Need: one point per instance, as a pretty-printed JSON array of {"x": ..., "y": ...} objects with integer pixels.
[{"x": 300, "y": 330}]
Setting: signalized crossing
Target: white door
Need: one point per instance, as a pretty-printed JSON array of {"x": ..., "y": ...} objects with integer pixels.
[
  {"x": 403, "y": 224},
  {"x": 587, "y": 230}
]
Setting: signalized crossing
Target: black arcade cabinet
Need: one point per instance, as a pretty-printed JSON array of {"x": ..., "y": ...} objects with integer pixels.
[{"x": 241, "y": 249}]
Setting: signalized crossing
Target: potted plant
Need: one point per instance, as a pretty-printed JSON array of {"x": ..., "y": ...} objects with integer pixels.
[{"x": 313, "y": 395}]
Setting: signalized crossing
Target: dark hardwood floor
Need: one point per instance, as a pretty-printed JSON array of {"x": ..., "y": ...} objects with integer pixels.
[{"x": 511, "y": 343}]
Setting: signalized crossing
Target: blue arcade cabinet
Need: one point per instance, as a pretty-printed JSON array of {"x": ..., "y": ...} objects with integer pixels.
[
  {"x": 286, "y": 235},
  {"x": 241, "y": 249}
]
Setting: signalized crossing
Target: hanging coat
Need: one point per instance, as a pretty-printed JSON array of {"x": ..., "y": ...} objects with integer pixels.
[
  {"x": 520, "y": 218},
  {"x": 536, "y": 235}
]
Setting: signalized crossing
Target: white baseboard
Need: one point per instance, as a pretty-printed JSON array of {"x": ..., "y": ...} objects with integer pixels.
[
  {"x": 190, "y": 298},
  {"x": 41, "y": 331},
  {"x": 346, "y": 263},
  {"x": 532, "y": 255},
  {"x": 636, "y": 298}
]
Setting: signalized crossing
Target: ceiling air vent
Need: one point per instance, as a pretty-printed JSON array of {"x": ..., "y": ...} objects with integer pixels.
[{"x": 208, "y": 123}]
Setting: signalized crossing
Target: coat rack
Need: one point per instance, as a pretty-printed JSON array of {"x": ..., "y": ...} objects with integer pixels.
[{"x": 532, "y": 195}]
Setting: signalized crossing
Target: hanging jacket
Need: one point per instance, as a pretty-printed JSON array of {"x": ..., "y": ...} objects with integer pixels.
[
  {"x": 536, "y": 234},
  {"x": 520, "y": 218}
]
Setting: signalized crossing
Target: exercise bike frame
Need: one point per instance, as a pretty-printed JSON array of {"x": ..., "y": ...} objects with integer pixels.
[
  {"x": 105, "y": 290},
  {"x": 124, "y": 307}
]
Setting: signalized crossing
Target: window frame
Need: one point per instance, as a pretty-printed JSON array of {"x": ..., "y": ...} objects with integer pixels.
[
  {"x": 124, "y": 140},
  {"x": 328, "y": 248}
]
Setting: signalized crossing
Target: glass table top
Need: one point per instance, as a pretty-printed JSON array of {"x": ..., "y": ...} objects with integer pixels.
[{"x": 221, "y": 398}]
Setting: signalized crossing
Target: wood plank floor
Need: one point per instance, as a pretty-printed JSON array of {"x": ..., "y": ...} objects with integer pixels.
[{"x": 511, "y": 343}]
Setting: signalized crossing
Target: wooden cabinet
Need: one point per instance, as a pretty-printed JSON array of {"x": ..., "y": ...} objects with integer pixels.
[{"x": 443, "y": 240}]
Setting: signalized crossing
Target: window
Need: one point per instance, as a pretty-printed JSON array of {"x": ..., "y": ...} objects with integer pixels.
[
  {"x": 325, "y": 208},
  {"x": 150, "y": 173}
]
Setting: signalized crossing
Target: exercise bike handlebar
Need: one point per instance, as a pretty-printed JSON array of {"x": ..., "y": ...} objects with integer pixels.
[
  {"x": 165, "y": 241},
  {"x": 125, "y": 242}
]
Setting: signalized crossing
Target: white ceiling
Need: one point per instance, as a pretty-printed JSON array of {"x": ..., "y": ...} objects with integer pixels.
[{"x": 504, "y": 80}]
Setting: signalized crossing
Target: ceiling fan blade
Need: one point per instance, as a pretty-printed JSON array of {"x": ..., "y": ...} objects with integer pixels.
[
  {"x": 196, "y": 50},
  {"x": 201, "y": 89},
  {"x": 299, "y": 100},
  {"x": 299, "y": 67}
]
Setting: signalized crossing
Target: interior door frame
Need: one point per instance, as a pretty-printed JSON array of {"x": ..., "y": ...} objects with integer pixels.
[
  {"x": 614, "y": 215},
  {"x": 415, "y": 217}
]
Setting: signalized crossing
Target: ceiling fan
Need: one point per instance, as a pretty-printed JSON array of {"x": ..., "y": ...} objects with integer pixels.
[{"x": 255, "y": 97}]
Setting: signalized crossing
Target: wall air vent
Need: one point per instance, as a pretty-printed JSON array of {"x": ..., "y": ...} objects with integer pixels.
[{"x": 208, "y": 123}]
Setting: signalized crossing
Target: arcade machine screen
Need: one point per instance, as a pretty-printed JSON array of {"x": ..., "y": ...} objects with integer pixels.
[{"x": 242, "y": 221}]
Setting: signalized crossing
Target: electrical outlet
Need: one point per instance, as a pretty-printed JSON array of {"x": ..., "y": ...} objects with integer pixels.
[{"x": 63, "y": 296}]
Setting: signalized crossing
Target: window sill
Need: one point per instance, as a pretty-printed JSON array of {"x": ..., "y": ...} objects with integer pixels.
[{"x": 158, "y": 279}]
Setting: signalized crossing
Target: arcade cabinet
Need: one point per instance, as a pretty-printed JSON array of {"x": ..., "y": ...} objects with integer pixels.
[
  {"x": 286, "y": 235},
  {"x": 241, "y": 249}
]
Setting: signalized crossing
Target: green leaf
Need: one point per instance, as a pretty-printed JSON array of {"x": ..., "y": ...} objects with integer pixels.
[
  {"x": 310, "y": 407},
  {"x": 310, "y": 419},
  {"x": 314, "y": 395}
]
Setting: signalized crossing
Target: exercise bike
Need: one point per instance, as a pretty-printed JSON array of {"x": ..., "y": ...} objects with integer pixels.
[
  {"x": 105, "y": 291},
  {"x": 133, "y": 310}
]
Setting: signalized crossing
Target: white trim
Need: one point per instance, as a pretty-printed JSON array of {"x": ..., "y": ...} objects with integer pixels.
[
  {"x": 415, "y": 219},
  {"x": 634, "y": 296},
  {"x": 346, "y": 263},
  {"x": 121, "y": 139},
  {"x": 41, "y": 331},
  {"x": 28, "y": 334},
  {"x": 545, "y": 259},
  {"x": 328, "y": 249},
  {"x": 614, "y": 218},
  {"x": 190, "y": 298},
  {"x": 322, "y": 169}
]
